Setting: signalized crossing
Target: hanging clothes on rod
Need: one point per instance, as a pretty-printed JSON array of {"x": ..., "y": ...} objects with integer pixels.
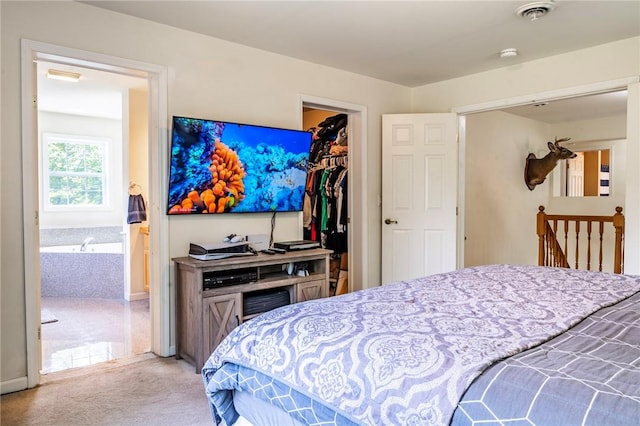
[
  {"x": 325, "y": 206},
  {"x": 326, "y": 217}
]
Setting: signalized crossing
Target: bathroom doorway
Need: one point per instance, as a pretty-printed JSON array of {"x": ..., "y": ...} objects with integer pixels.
[{"x": 92, "y": 157}]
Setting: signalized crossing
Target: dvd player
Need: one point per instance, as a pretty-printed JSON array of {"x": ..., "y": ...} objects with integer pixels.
[
  {"x": 226, "y": 278},
  {"x": 297, "y": 245}
]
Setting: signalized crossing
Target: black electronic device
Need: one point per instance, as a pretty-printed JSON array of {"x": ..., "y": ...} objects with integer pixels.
[
  {"x": 217, "y": 279},
  {"x": 297, "y": 245},
  {"x": 261, "y": 301}
]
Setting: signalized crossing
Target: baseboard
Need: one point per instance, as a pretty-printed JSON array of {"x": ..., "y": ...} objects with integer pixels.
[
  {"x": 14, "y": 385},
  {"x": 136, "y": 296}
]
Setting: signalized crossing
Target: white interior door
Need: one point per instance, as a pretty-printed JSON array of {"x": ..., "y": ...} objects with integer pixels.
[
  {"x": 575, "y": 175},
  {"x": 419, "y": 195}
]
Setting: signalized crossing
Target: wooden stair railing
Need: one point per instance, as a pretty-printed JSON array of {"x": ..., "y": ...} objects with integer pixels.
[{"x": 552, "y": 253}]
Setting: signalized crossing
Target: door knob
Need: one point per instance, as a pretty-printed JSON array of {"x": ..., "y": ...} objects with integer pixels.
[{"x": 389, "y": 221}]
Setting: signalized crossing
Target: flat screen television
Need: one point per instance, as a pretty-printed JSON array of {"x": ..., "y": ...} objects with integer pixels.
[{"x": 224, "y": 167}]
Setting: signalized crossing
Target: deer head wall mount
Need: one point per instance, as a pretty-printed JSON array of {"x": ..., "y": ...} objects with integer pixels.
[{"x": 537, "y": 169}]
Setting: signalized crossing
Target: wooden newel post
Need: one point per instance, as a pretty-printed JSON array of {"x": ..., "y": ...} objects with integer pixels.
[
  {"x": 541, "y": 230},
  {"x": 618, "y": 223}
]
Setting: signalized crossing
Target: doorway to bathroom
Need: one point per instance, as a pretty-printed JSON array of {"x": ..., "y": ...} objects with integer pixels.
[{"x": 92, "y": 160}]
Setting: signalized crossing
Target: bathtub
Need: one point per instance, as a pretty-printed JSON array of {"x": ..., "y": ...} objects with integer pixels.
[
  {"x": 91, "y": 248},
  {"x": 97, "y": 272}
]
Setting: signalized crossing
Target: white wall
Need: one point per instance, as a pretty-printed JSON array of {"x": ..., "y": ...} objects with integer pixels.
[
  {"x": 611, "y": 61},
  {"x": 138, "y": 174},
  {"x": 500, "y": 211},
  {"x": 207, "y": 78},
  {"x": 77, "y": 125},
  {"x": 592, "y": 130}
]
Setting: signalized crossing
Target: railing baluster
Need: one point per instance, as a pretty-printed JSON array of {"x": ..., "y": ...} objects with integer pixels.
[
  {"x": 552, "y": 246},
  {"x": 588, "y": 245},
  {"x": 549, "y": 252},
  {"x": 577, "y": 243},
  {"x": 601, "y": 234},
  {"x": 566, "y": 236}
]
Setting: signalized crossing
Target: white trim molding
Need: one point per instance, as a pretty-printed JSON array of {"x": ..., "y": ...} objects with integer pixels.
[
  {"x": 552, "y": 95},
  {"x": 13, "y": 385}
]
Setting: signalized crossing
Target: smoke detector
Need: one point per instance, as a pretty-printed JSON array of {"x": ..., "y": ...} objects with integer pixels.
[{"x": 536, "y": 10}]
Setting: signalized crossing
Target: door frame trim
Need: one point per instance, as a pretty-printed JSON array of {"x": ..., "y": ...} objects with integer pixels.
[
  {"x": 159, "y": 294},
  {"x": 551, "y": 95}
]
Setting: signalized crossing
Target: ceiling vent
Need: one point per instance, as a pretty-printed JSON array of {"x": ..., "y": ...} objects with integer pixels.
[{"x": 536, "y": 10}]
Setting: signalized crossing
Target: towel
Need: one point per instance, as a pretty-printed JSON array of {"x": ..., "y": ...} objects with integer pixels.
[{"x": 137, "y": 209}]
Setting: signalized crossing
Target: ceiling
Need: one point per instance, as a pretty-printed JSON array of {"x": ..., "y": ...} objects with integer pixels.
[
  {"x": 96, "y": 94},
  {"x": 410, "y": 43}
]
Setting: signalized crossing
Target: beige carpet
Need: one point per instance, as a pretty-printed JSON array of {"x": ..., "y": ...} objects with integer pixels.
[{"x": 142, "y": 390}]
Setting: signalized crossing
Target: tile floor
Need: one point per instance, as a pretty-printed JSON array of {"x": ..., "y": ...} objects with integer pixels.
[{"x": 90, "y": 331}]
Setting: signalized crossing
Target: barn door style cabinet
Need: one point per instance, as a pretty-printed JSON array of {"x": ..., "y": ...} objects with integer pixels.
[{"x": 215, "y": 296}]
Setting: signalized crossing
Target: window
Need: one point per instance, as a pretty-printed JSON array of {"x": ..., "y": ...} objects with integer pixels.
[{"x": 75, "y": 172}]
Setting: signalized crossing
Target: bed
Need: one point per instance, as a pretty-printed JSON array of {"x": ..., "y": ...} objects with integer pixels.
[{"x": 495, "y": 344}]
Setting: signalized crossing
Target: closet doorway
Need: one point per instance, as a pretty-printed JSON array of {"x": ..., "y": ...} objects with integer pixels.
[
  {"x": 336, "y": 154},
  {"x": 325, "y": 217}
]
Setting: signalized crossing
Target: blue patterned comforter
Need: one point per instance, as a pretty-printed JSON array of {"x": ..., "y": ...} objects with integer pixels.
[
  {"x": 589, "y": 375},
  {"x": 403, "y": 353}
]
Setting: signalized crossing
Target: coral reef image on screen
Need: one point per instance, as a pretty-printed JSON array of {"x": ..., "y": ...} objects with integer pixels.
[{"x": 219, "y": 167}]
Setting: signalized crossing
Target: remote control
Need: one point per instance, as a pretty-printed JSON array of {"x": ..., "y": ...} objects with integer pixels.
[
  {"x": 267, "y": 251},
  {"x": 278, "y": 250}
]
